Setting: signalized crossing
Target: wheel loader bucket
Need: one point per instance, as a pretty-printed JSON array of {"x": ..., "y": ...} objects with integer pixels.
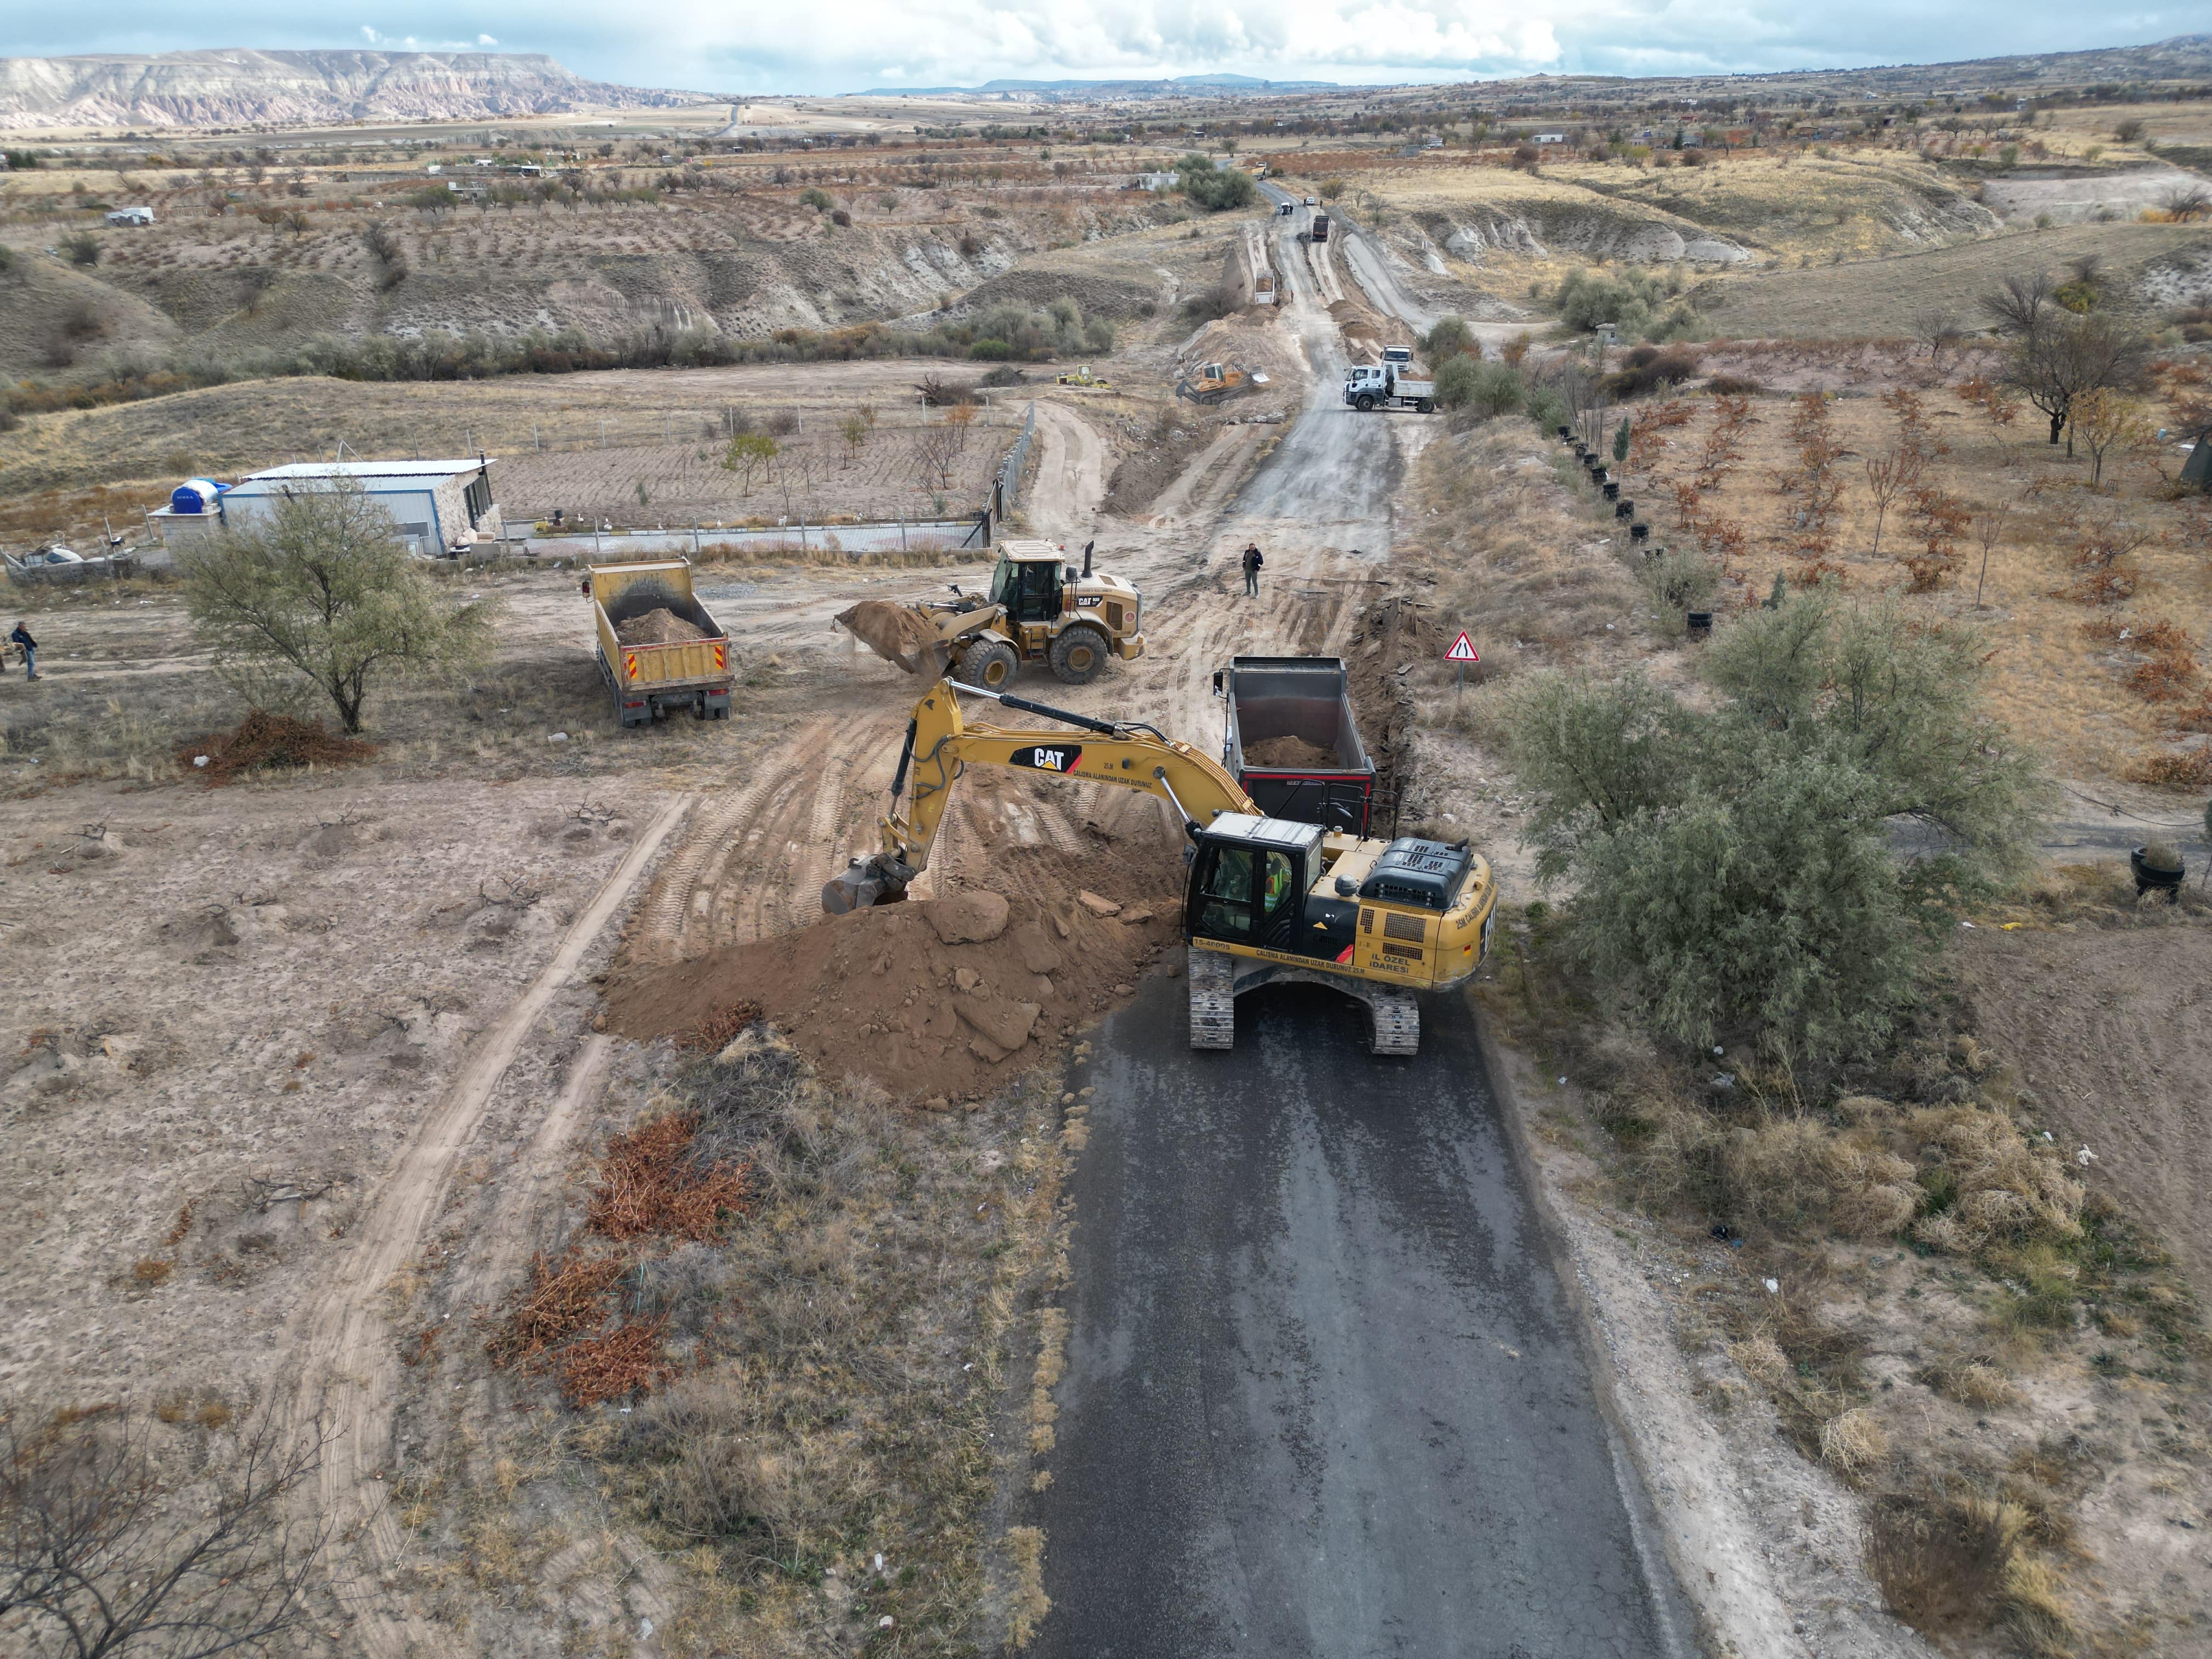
[{"x": 902, "y": 635}]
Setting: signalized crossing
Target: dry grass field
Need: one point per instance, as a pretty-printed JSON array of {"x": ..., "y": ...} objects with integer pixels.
[{"x": 2153, "y": 264}]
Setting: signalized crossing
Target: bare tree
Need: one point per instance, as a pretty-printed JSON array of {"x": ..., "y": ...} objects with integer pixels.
[
  {"x": 1937, "y": 328},
  {"x": 1889, "y": 476},
  {"x": 936, "y": 449},
  {"x": 99, "y": 1553},
  {"x": 2063, "y": 355},
  {"x": 2020, "y": 305},
  {"x": 2187, "y": 202}
]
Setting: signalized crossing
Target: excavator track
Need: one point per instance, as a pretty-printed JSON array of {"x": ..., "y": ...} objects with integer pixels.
[
  {"x": 1213, "y": 1000},
  {"x": 1397, "y": 1022}
]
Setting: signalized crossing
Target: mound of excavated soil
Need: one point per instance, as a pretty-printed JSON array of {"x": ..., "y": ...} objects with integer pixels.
[
  {"x": 661, "y": 626},
  {"x": 1289, "y": 751},
  {"x": 934, "y": 999},
  {"x": 897, "y": 633}
]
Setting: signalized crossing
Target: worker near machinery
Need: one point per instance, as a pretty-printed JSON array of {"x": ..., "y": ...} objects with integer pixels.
[{"x": 1252, "y": 563}]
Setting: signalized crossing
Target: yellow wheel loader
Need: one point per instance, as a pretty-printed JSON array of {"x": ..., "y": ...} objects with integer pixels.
[
  {"x": 1039, "y": 608},
  {"x": 1268, "y": 901}
]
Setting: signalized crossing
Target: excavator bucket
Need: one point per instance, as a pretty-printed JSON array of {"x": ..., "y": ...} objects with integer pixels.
[{"x": 866, "y": 882}]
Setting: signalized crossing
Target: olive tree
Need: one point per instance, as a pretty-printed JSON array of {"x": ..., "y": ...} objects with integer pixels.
[
  {"x": 1782, "y": 861},
  {"x": 322, "y": 598}
]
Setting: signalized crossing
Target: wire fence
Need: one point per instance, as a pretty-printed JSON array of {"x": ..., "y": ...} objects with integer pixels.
[{"x": 1007, "y": 493}]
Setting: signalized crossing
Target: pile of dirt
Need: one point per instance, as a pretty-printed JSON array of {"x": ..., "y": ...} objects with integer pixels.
[
  {"x": 1290, "y": 751},
  {"x": 661, "y": 626},
  {"x": 897, "y": 633},
  {"x": 935, "y": 1001},
  {"x": 263, "y": 742}
]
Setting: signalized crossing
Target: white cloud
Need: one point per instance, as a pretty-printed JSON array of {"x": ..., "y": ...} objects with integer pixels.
[{"x": 486, "y": 40}]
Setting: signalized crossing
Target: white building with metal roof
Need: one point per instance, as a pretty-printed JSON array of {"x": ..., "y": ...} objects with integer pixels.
[{"x": 439, "y": 506}]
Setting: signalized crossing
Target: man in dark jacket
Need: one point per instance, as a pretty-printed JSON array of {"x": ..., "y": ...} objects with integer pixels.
[
  {"x": 22, "y": 640},
  {"x": 1252, "y": 563}
]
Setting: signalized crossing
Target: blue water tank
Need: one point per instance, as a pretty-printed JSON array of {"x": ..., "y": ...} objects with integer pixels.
[{"x": 193, "y": 495}]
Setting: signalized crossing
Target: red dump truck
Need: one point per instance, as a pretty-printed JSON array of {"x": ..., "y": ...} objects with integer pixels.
[
  {"x": 1289, "y": 740},
  {"x": 659, "y": 650}
]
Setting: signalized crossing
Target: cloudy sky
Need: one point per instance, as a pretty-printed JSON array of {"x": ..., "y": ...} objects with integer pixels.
[{"x": 760, "y": 48}]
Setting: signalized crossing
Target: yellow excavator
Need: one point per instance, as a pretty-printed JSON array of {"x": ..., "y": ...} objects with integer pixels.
[{"x": 1269, "y": 900}]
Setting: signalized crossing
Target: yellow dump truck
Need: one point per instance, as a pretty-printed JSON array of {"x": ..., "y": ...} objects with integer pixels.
[{"x": 659, "y": 648}]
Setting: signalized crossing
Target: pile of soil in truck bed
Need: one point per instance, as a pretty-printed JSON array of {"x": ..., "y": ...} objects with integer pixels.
[
  {"x": 1291, "y": 752},
  {"x": 661, "y": 626}
]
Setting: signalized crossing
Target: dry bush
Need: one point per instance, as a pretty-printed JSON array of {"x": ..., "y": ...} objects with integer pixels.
[
  {"x": 1993, "y": 1185},
  {"x": 2189, "y": 770},
  {"x": 1973, "y": 1382},
  {"x": 1940, "y": 1565},
  {"x": 594, "y": 1369},
  {"x": 1854, "y": 1443},
  {"x": 266, "y": 742},
  {"x": 720, "y": 1029},
  {"x": 1802, "y": 1172},
  {"x": 1760, "y": 1358},
  {"x": 568, "y": 1295},
  {"x": 650, "y": 1183}
]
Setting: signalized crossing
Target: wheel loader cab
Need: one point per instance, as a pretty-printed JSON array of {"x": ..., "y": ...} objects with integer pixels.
[{"x": 1029, "y": 588}]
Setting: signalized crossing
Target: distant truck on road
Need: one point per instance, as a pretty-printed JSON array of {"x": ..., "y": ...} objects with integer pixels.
[
  {"x": 1388, "y": 385},
  {"x": 1320, "y": 231},
  {"x": 660, "y": 651},
  {"x": 1291, "y": 744}
]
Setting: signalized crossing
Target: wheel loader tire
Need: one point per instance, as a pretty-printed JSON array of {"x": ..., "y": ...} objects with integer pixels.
[
  {"x": 988, "y": 662},
  {"x": 1078, "y": 655},
  {"x": 1363, "y": 403},
  {"x": 1213, "y": 1000}
]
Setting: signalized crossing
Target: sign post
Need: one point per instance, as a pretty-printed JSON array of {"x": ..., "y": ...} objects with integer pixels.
[{"x": 1462, "y": 651}]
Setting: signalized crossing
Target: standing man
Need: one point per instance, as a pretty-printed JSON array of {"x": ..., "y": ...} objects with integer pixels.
[
  {"x": 22, "y": 640},
  {"x": 1252, "y": 563}
]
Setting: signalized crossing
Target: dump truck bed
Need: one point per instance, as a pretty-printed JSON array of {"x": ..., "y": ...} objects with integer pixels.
[
  {"x": 1292, "y": 741},
  {"x": 651, "y": 679}
]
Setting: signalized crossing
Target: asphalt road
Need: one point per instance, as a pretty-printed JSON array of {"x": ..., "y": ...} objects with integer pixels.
[{"x": 1322, "y": 1396}]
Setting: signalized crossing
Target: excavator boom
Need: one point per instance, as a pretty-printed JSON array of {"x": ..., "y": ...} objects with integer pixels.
[{"x": 941, "y": 744}]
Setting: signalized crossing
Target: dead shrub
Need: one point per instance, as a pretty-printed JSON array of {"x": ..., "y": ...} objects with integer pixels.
[
  {"x": 266, "y": 742},
  {"x": 1801, "y": 1172},
  {"x": 1854, "y": 1443},
  {"x": 1760, "y": 1358},
  {"x": 2189, "y": 770},
  {"x": 1992, "y": 1185},
  {"x": 149, "y": 1271},
  {"x": 1973, "y": 1382},
  {"x": 649, "y": 1184},
  {"x": 568, "y": 1294},
  {"x": 1941, "y": 1566},
  {"x": 595, "y": 1369},
  {"x": 717, "y": 1031}
]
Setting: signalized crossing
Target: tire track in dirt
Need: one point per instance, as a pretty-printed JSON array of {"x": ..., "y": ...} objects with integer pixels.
[{"x": 349, "y": 1355}]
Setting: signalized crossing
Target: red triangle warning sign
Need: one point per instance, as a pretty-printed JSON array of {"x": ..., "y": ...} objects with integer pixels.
[{"x": 1462, "y": 650}]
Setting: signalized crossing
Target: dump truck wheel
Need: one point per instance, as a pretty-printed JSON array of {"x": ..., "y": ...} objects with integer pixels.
[
  {"x": 1427, "y": 407},
  {"x": 1078, "y": 655},
  {"x": 989, "y": 662},
  {"x": 1363, "y": 403}
]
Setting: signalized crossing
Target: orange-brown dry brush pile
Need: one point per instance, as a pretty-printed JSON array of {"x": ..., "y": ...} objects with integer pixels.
[
  {"x": 649, "y": 1185},
  {"x": 265, "y": 742},
  {"x": 651, "y": 1189}
]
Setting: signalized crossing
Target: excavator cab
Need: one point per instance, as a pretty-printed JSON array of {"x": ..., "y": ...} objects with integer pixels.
[{"x": 1250, "y": 879}]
